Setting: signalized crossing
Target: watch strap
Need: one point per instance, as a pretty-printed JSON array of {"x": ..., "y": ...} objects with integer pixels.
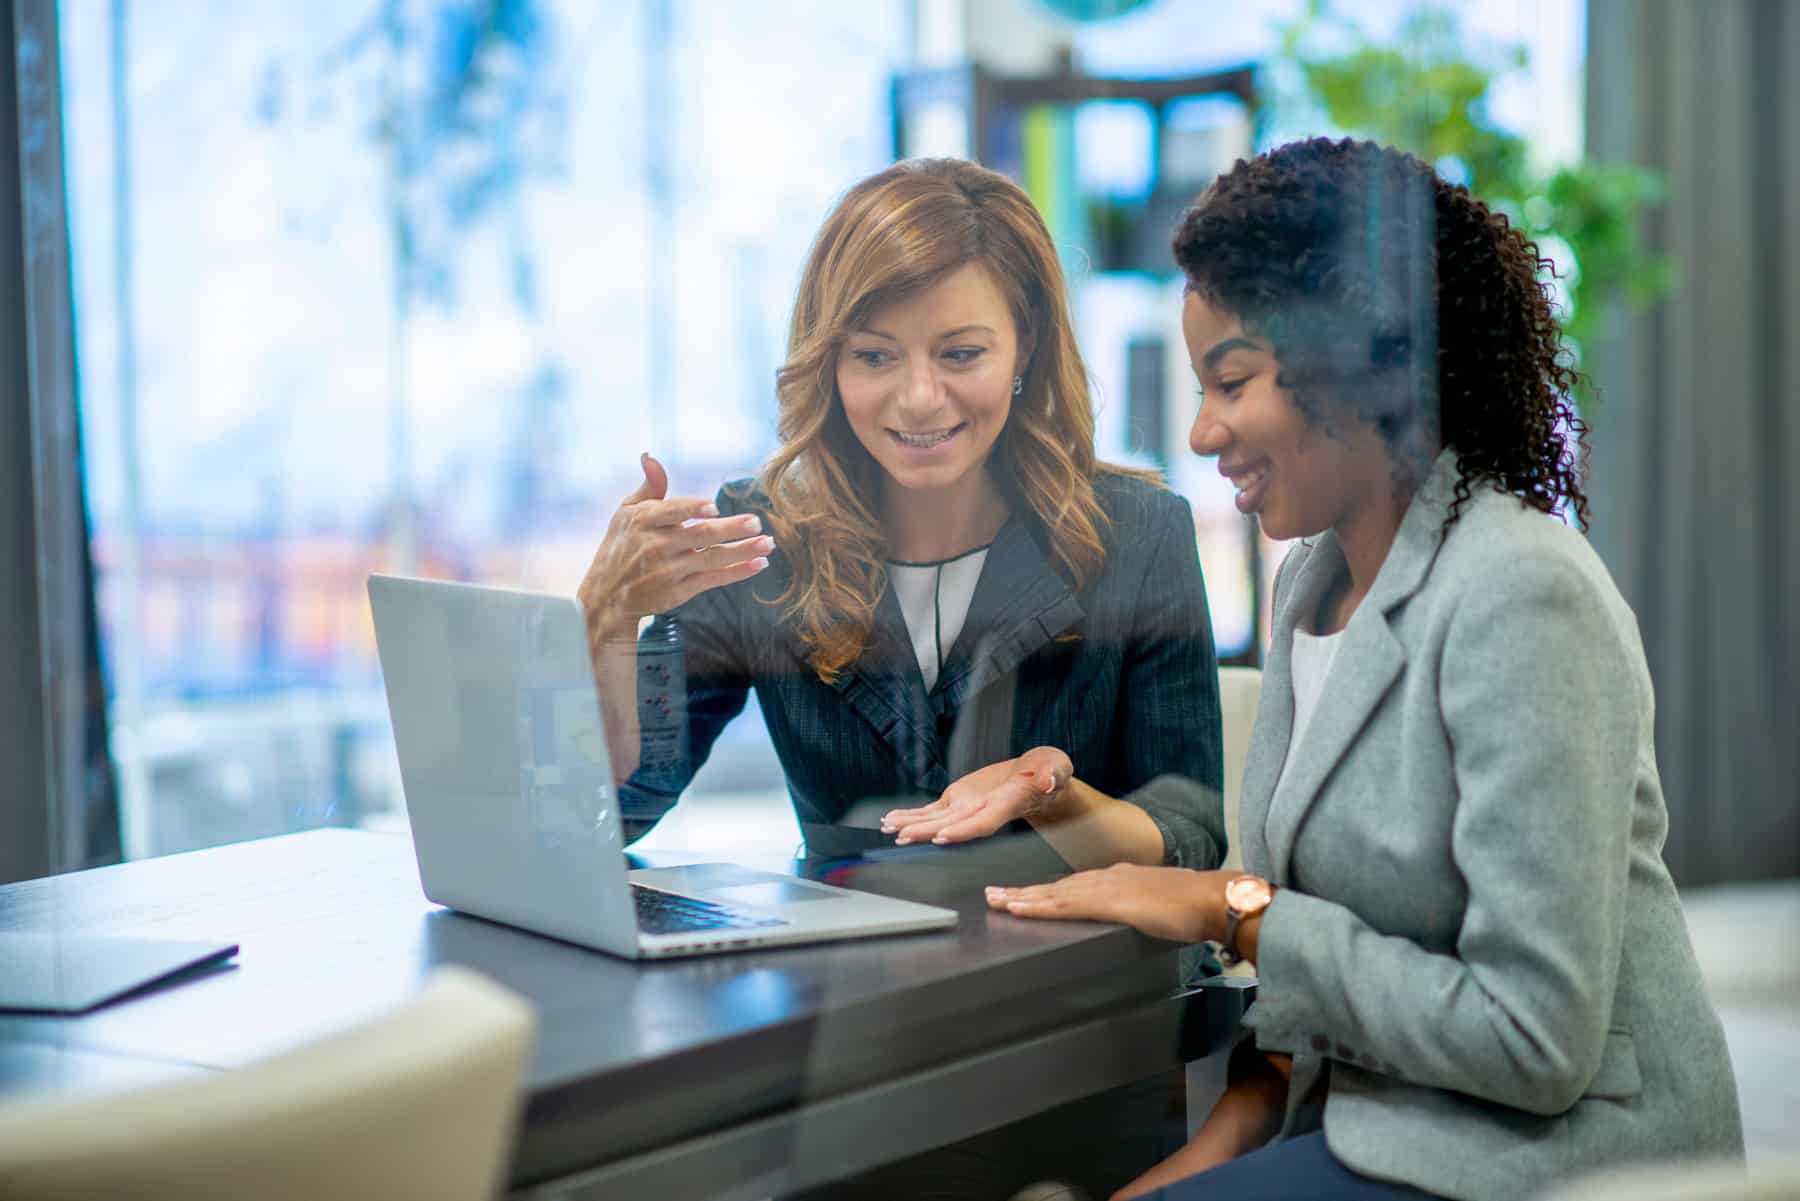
[{"x": 1229, "y": 954}]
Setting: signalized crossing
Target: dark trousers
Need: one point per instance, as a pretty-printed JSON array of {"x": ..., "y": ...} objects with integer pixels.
[
  {"x": 1100, "y": 1143},
  {"x": 1297, "y": 1169}
]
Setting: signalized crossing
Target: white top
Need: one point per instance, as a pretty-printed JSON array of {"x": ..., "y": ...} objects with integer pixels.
[
  {"x": 1307, "y": 666},
  {"x": 934, "y": 599}
]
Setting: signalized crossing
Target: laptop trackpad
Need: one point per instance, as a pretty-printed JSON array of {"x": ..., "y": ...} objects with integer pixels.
[{"x": 774, "y": 892}]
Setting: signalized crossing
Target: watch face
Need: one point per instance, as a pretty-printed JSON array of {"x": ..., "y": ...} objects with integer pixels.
[{"x": 1249, "y": 894}]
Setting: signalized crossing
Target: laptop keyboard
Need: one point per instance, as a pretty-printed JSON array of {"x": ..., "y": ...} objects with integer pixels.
[{"x": 661, "y": 912}]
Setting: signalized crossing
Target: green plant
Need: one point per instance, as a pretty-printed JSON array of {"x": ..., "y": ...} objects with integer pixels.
[{"x": 1426, "y": 91}]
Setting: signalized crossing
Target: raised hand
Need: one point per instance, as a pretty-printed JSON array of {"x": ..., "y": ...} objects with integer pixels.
[
  {"x": 660, "y": 551},
  {"x": 984, "y": 801}
]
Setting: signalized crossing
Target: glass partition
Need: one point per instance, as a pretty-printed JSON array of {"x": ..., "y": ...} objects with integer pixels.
[{"x": 404, "y": 286}]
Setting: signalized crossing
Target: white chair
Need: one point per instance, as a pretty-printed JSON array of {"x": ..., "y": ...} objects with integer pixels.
[
  {"x": 1240, "y": 688},
  {"x": 422, "y": 1103},
  {"x": 1768, "y": 1180}
]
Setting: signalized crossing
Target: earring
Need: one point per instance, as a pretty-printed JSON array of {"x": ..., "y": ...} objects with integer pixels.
[{"x": 1018, "y": 384}]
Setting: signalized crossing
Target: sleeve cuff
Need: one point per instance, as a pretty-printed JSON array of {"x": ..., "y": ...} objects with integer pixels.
[
  {"x": 1174, "y": 805},
  {"x": 640, "y": 803},
  {"x": 1276, "y": 1015},
  {"x": 1171, "y": 846}
]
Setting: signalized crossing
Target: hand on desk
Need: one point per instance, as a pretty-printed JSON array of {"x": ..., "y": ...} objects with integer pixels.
[
  {"x": 1172, "y": 903},
  {"x": 983, "y": 802}
]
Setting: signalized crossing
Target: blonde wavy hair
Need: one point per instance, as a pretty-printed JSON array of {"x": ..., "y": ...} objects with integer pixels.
[{"x": 893, "y": 235}]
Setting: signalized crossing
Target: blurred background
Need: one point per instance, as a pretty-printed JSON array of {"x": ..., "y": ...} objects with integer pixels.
[{"x": 406, "y": 285}]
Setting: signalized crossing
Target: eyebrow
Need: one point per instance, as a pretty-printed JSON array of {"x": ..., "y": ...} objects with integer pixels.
[
  {"x": 1212, "y": 357},
  {"x": 961, "y": 329}
]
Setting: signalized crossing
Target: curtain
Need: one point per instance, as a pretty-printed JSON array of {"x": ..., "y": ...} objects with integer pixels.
[
  {"x": 59, "y": 811},
  {"x": 1697, "y": 438}
]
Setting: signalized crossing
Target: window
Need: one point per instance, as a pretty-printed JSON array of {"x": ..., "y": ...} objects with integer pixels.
[{"x": 403, "y": 285}]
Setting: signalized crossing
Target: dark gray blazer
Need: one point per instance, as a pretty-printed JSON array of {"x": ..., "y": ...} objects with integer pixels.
[
  {"x": 1474, "y": 928},
  {"x": 1121, "y": 675}
]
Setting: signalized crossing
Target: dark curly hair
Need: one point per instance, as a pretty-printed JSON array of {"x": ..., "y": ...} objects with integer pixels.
[{"x": 1401, "y": 300}]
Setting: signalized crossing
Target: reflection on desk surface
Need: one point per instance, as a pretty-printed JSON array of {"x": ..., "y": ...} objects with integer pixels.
[{"x": 333, "y": 929}]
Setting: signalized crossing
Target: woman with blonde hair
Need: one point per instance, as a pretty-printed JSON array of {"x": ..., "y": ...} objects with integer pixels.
[{"x": 933, "y": 572}]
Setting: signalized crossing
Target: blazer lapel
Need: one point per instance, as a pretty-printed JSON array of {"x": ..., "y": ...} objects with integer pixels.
[
  {"x": 1366, "y": 665},
  {"x": 1369, "y": 660},
  {"x": 1273, "y": 729},
  {"x": 1020, "y": 603},
  {"x": 885, "y": 689}
]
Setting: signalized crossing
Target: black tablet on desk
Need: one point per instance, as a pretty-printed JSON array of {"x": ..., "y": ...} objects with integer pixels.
[
  {"x": 73, "y": 973},
  {"x": 925, "y": 871}
]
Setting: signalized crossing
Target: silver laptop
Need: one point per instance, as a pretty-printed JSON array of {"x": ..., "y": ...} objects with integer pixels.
[{"x": 511, "y": 797}]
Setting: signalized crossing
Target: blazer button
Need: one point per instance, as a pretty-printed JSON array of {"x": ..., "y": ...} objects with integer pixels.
[
  {"x": 1345, "y": 1053},
  {"x": 1320, "y": 1043}
]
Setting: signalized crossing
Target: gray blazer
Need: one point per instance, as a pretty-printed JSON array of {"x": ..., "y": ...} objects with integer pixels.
[{"x": 1475, "y": 942}]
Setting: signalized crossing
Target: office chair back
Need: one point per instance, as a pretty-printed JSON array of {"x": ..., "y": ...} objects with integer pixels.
[
  {"x": 1240, "y": 688},
  {"x": 422, "y": 1103},
  {"x": 1770, "y": 1179}
]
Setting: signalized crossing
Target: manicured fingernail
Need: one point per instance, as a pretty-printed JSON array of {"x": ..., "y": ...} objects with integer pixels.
[
  {"x": 940, "y": 840},
  {"x": 758, "y": 563},
  {"x": 709, "y": 509},
  {"x": 765, "y": 543},
  {"x": 753, "y": 523}
]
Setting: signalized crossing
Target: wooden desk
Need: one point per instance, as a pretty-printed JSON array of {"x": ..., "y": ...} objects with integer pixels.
[{"x": 726, "y": 1076}]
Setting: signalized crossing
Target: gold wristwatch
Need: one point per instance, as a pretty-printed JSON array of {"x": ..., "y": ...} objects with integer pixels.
[{"x": 1245, "y": 897}]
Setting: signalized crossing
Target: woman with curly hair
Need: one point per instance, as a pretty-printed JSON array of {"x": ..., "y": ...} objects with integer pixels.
[
  {"x": 1475, "y": 977},
  {"x": 933, "y": 573}
]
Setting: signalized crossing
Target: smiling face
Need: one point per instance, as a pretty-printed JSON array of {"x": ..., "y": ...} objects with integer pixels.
[
  {"x": 1295, "y": 475},
  {"x": 927, "y": 382}
]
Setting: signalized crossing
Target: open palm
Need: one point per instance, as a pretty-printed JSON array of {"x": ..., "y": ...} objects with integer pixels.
[{"x": 984, "y": 801}]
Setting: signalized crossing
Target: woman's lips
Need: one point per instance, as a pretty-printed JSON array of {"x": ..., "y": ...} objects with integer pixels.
[
  {"x": 926, "y": 440},
  {"x": 1251, "y": 485}
]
